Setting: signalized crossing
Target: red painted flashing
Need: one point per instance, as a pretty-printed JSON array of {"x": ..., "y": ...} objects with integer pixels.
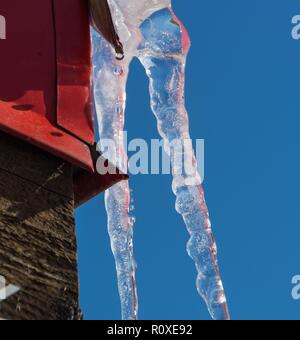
[
  {"x": 45, "y": 82},
  {"x": 73, "y": 56}
]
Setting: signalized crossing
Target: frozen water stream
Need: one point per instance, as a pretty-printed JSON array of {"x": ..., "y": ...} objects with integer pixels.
[{"x": 150, "y": 31}]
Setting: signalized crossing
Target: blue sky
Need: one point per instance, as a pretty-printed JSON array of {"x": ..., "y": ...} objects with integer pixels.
[{"x": 243, "y": 98}]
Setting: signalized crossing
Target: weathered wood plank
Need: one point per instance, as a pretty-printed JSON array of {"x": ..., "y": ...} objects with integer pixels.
[{"x": 37, "y": 234}]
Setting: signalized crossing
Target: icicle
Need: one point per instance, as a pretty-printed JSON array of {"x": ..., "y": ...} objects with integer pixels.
[{"x": 150, "y": 31}]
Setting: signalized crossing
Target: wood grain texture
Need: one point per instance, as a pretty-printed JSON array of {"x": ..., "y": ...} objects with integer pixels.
[{"x": 37, "y": 234}]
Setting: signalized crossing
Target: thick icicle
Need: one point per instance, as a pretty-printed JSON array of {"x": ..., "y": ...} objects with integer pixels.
[
  {"x": 109, "y": 86},
  {"x": 150, "y": 31}
]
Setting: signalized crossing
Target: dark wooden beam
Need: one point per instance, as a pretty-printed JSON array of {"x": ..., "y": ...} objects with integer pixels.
[{"x": 38, "y": 251}]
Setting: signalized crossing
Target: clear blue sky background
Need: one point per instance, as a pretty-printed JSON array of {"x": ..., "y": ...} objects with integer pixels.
[{"x": 243, "y": 97}]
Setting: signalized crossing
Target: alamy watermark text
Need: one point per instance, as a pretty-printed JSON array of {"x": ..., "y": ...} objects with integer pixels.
[
  {"x": 296, "y": 27},
  {"x": 181, "y": 157},
  {"x": 2, "y": 27},
  {"x": 296, "y": 287}
]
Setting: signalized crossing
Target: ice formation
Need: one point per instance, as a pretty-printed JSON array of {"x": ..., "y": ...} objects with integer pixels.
[{"x": 150, "y": 31}]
